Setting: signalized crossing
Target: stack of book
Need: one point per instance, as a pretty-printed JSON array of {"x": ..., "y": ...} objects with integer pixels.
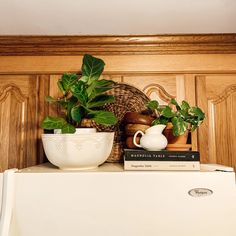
[{"x": 161, "y": 160}]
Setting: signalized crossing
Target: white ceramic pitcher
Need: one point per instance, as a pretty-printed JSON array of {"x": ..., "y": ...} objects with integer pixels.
[{"x": 153, "y": 139}]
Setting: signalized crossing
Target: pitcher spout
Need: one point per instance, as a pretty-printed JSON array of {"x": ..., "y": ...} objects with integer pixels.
[{"x": 155, "y": 129}]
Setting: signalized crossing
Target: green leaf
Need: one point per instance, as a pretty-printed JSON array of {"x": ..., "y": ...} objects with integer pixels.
[
  {"x": 179, "y": 126},
  {"x": 167, "y": 112},
  {"x": 71, "y": 102},
  {"x": 197, "y": 112},
  {"x": 68, "y": 103},
  {"x": 103, "y": 117},
  {"x": 153, "y": 105},
  {"x": 79, "y": 91},
  {"x": 53, "y": 123},
  {"x": 99, "y": 86},
  {"x": 90, "y": 90},
  {"x": 92, "y": 68},
  {"x": 60, "y": 86},
  {"x": 63, "y": 102},
  {"x": 174, "y": 102},
  {"x": 194, "y": 127},
  {"x": 76, "y": 113},
  {"x": 160, "y": 120},
  {"x": 184, "y": 114},
  {"x": 103, "y": 83},
  {"x": 66, "y": 81},
  {"x": 184, "y": 106},
  {"x": 84, "y": 79},
  {"x": 68, "y": 129},
  {"x": 101, "y": 100}
]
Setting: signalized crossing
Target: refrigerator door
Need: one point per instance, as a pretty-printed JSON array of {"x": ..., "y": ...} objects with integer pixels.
[
  {"x": 7, "y": 197},
  {"x": 118, "y": 203}
]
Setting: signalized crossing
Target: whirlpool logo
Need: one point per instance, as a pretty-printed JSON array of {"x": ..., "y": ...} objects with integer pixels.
[{"x": 200, "y": 192}]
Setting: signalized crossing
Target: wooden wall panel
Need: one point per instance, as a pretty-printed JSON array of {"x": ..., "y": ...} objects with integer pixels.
[
  {"x": 190, "y": 96},
  {"x": 43, "y": 84},
  {"x": 217, "y": 95},
  {"x": 117, "y": 64},
  {"x": 18, "y": 121},
  {"x": 159, "y": 87},
  {"x": 54, "y": 92}
]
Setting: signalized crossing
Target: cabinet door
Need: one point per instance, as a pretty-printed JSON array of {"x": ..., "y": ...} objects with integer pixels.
[
  {"x": 18, "y": 121},
  {"x": 216, "y": 94}
]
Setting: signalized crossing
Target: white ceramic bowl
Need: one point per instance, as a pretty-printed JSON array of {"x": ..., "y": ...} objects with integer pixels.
[{"x": 78, "y": 151}]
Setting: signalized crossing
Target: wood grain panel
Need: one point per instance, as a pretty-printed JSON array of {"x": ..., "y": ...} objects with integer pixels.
[
  {"x": 123, "y": 64},
  {"x": 4, "y": 131},
  {"x": 54, "y": 92},
  {"x": 231, "y": 106},
  {"x": 217, "y": 134},
  {"x": 189, "y": 93},
  {"x": 203, "y": 129},
  {"x": 43, "y": 89},
  {"x": 18, "y": 121},
  {"x": 13, "y": 113},
  {"x": 161, "y": 88},
  {"x": 138, "y": 44}
]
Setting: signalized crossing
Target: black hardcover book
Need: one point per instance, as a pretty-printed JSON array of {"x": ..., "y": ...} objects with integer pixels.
[{"x": 164, "y": 155}]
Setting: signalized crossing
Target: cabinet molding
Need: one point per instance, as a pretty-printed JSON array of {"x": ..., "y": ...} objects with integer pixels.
[
  {"x": 159, "y": 91},
  {"x": 118, "y": 45},
  {"x": 11, "y": 88},
  {"x": 225, "y": 94}
]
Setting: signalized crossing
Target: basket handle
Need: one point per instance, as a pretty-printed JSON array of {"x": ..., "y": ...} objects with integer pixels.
[{"x": 134, "y": 138}]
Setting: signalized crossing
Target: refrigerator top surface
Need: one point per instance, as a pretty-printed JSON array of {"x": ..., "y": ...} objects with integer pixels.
[{"x": 118, "y": 167}]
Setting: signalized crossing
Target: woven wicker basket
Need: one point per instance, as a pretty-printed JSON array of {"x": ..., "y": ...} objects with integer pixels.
[{"x": 127, "y": 98}]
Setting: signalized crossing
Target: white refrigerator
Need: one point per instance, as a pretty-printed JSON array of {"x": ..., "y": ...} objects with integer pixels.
[{"x": 108, "y": 201}]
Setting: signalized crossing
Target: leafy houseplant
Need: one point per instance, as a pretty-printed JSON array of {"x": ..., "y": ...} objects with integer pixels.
[
  {"x": 181, "y": 116},
  {"x": 83, "y": 96}
]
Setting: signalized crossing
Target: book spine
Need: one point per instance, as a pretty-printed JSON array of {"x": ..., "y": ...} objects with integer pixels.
[
  {"x": 156, "y": 165},
  {"x": 161, "y": 156}
]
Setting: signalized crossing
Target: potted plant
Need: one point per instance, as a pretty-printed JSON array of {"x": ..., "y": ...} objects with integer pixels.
[
  {"x": 180, "y": 119},
  {"x": 83, "y": 97}
]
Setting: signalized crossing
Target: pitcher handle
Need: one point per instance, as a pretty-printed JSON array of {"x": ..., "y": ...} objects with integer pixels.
[{"x": 134, "y": 138}]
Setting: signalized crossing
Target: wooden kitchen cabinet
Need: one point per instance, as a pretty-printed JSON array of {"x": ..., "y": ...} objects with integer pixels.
[
  {"x": 20, "y": 111},
  {"x": 198, "y": 68},
  {"x": 22, "y": 108},
  {"x": 216, "y": 94}
]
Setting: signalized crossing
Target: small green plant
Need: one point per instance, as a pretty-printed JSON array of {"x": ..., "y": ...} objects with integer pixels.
[
  {"x": 182, "y": 116},
  {"x": 83, "y": 97}
]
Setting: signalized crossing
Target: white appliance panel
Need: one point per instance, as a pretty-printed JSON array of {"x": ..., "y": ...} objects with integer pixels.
[{"x": 122, "y": 203}]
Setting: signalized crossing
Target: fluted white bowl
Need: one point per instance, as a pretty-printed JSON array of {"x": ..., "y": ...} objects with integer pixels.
[{"x": 78, "y": 151}]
